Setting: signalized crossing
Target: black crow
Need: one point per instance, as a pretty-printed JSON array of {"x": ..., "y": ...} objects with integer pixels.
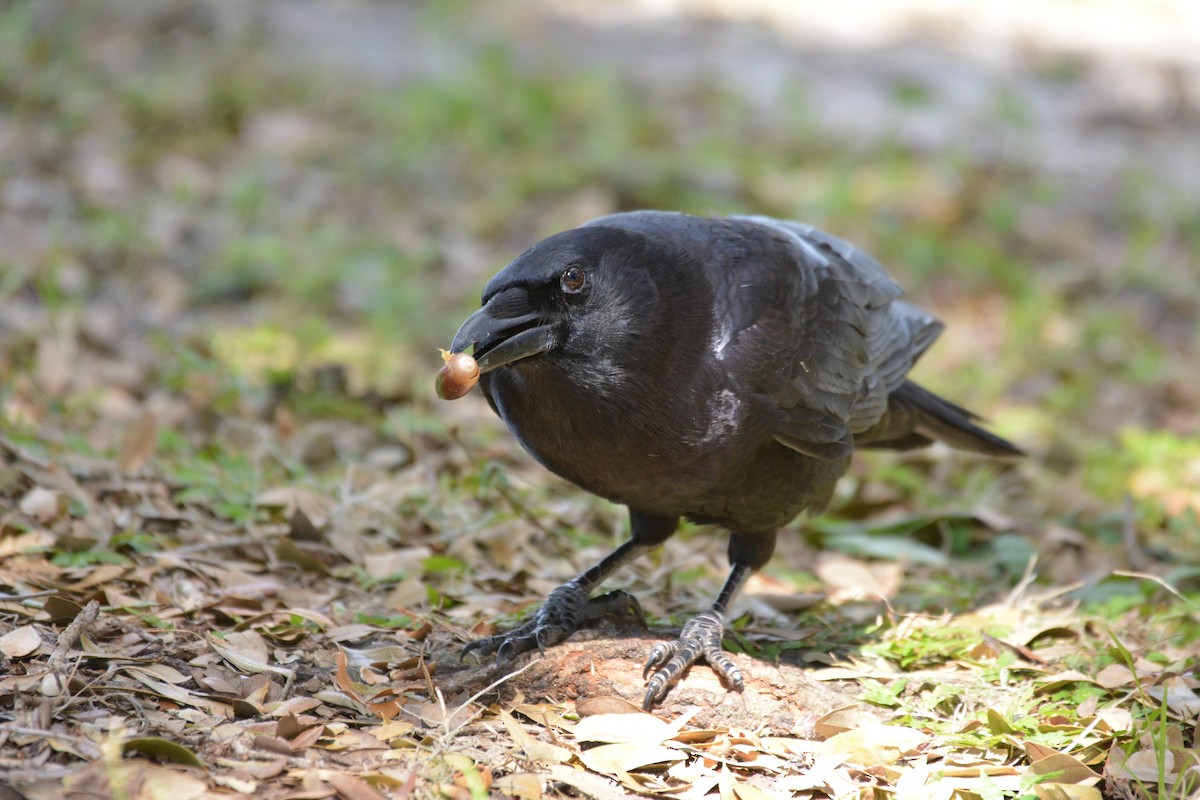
[{"x": 720, "y": 370}]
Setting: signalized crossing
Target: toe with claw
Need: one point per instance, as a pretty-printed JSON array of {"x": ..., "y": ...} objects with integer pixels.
[
  {"x": 566, "y": 610},
  {"x": 700, "y": 638}
]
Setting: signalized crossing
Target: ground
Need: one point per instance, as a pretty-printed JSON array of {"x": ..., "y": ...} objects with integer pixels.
[{"x": 242, "y": 543}]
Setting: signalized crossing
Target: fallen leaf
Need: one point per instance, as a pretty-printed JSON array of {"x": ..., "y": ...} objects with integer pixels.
[
  {"x": 1115, "y": 675},
  {"x": 523, "y": 785},
  {"x": 1180, "y": 699},
  {"x": 1064, "y": 769},
  {"x": 161, "y": 750},
  {"x": 292, "y": 499},
  {"x": 20, "y": 642},
  {"x": 1066, "y": 791},
  {"x": 535, "y": 750},
  {"x": 874, "y": 745},
  {"x": 247, "y": 651},
  {"x": 43, "y": 505},
  {"x": 841, "y": 720},
  {"x": 614, "y": 759},
  {"x": 138, "y": 442},
  {"x": 385, "y": 709},
  {"x": 164, "y": 782},
  {"x": 592, "y": 706},
  {"x": 352, "y": 788},
  {"x": 639, "y": 728}
]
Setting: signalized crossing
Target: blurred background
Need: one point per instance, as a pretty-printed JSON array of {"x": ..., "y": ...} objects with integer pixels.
[{"x": 254, "y": 222}]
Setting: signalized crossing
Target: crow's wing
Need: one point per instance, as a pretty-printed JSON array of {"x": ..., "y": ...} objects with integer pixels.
[
  {"x": 816, "y": 324},
  {"x": 802, "y": 317}
]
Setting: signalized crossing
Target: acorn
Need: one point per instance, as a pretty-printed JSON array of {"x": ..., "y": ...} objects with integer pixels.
[{"x": 458, "y": 375}]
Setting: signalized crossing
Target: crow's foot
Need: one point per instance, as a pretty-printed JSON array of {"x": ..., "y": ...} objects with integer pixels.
[
  {"x": 700, "y": 638},
  {"x": 566, "y": 610}
]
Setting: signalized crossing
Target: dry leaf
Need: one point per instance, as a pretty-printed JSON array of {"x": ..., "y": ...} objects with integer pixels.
[
  {"x": 840, "y": 720},
  {"x": 292, "y": 499},
  {"x": 522, "y": 785},
  {"x": 535, "y": 750},
  {"x": 20, "y": 642},
  {"x": 640, "y": 728},
  {"x": 606, "y": 705},
  {"x": 352, "y": 788},
  {"x": 614, "y": 759},
  {"x": 162, "y": 782},
  {"x": 852, "y": 579},
  {"x": 247, "y": 651},
  {"x": 589, "y": 785},
  {"x": 1181, "y": 700},
  {"x": 1066, "y": 791},
  {"x": 874, "y": 745},
  {"x": 385, "y": 709},
  {"x": 43, "y": 505},
  {"x": 138, "y": 442},
  {"x": 1064, "y": 769},
  {"x": 1114, "y": 676}
]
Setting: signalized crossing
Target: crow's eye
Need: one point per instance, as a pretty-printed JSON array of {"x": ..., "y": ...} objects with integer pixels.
[{"x": 573, "y": 280}]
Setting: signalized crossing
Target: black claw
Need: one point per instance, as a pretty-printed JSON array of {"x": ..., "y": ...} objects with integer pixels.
[
  {"x": 484, "y": 646},
  {"x": 661, "y": 654},
  {"x": 654, "y": 694}
]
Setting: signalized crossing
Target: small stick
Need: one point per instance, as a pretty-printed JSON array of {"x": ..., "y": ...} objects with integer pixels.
[{"x": 67, "y": 639}]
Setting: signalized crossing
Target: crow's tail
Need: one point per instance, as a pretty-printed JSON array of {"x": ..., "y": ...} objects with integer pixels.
[{"x": 916, "y": 416}]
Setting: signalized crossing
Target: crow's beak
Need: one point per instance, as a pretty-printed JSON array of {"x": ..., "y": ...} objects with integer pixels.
[{"x": 505, "y": 330}]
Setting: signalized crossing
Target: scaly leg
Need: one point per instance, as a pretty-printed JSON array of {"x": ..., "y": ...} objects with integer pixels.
[{"x": 701, "y": 636}]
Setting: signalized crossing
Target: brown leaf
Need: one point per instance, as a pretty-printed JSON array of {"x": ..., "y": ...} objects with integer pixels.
[
  {"x": 522, "y": 785},
  {"x": 1065, "y": 769},
  {"x": 385, "y": 709},
  {"x": 158, "y": 782},
  {"x": 841, "y": 720},
  {"x": 606, "y": 705},
  {"x": 20, "y": 642},
  {"x": 138, "y": 442},
  {"x": 292, "y": 499},
  {"x": 352, "y": 788},
  {"x": 1114, "y": 676}
]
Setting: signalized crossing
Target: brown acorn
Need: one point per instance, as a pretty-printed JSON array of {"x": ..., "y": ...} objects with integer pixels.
[{"x": 458, "y": 375}]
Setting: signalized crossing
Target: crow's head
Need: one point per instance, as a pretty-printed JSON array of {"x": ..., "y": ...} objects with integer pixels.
[{"x": 590, "y": 293}]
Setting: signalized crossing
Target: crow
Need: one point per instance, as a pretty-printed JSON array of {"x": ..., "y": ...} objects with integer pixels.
[{"x": 720, "y": 370}]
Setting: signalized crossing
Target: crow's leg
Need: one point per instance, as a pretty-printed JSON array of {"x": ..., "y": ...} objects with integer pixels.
[
  {"x": 701, "y": 636},
  {"x": 571, "y": 607}
]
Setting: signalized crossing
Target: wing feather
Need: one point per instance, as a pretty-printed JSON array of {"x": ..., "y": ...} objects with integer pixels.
[
  {"x": 803, "y": 318},
  {"x": 838, "y": 336}
]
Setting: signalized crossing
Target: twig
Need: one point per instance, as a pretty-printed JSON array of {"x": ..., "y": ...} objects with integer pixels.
[
  {"x": 199, "y": 547},
  {"x": 67, "y": 639},
  {"x": 4, "y": 598}
]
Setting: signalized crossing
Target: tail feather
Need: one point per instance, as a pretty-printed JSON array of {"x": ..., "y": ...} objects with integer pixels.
[{"x": 916, "y": 416}]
